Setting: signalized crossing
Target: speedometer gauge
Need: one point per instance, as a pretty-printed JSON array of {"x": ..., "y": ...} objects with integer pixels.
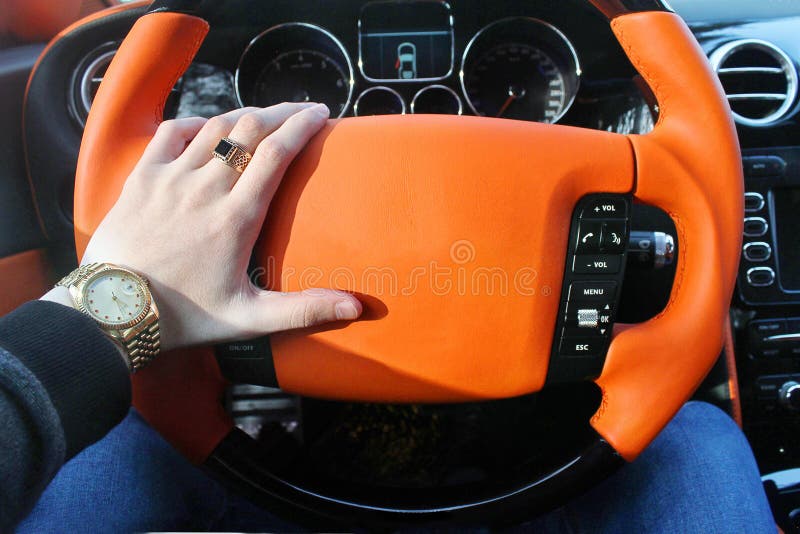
[
  {"x": 295, "y": 62},
  {"x": 520, "y": 68}
]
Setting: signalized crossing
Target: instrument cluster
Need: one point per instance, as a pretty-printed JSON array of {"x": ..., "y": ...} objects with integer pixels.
[{"x": 407, "y": 62}]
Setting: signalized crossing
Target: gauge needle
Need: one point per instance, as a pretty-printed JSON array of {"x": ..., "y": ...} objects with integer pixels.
[
  {"x": 515, "y": 92},
  {"x": 121, "y": 305}
]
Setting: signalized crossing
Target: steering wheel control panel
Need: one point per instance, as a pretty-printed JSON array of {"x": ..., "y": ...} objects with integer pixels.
[{"x": 590, "y": 295}]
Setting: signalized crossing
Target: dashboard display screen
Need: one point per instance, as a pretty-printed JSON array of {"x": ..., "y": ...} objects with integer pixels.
[
  {"x": 406, "y": 41},
  {"x": 787, "y": 222}
]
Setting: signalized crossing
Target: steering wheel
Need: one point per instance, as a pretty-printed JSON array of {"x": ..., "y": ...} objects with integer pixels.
[{"x": 415, "y": 186}]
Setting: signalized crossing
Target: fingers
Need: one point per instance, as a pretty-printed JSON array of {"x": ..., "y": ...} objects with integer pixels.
[
  {"x": 259, "y": 181},
  {"x": 253, "y": 127},
  {"x": 198, "y": 153},
  {"x": 246, "y": 126},
  {"x": 277, "y": 312},
  {"x": 171, "y": 139}
]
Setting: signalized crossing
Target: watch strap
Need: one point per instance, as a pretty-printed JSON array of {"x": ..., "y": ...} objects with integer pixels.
[
  {"x": 82, "y": 272},
  {"x": 143, "y": 347}
]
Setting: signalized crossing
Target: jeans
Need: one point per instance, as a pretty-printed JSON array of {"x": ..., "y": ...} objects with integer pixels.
[{"x": 699, "y": 475}]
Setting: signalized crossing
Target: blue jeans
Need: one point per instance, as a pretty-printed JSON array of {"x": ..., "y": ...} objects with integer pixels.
[{"x": 699, "y": 475}]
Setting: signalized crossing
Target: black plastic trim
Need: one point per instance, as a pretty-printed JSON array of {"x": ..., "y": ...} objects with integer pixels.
[
  {"x": 248, "y": 362},
  {"x": 589, "y": 215},
  {"x": 240, "y": 462},
  {"x": 200, "y": 8}
]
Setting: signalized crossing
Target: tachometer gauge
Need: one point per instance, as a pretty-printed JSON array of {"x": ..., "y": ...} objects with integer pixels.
[
  {"x": 295, "y": 62},
  {"x": 520, "y": 68},
  {"x": 303, "y": 76}
]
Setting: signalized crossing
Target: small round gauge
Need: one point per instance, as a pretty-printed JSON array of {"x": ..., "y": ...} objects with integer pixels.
[
  {"x": 295, "y": 62},
  {"x": 379, "y": 100},
  {"x": 520, "y": 68},
  {"x": 438, "y": 100}
]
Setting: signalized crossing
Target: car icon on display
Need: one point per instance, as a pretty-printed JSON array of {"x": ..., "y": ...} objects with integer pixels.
[{"x": 406, "y": 61}]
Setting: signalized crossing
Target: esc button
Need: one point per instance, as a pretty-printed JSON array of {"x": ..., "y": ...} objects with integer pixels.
[{"x": 582, "y": 346}]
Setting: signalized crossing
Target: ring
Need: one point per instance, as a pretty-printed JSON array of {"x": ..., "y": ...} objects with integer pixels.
[{"x": 232, "y": 154}]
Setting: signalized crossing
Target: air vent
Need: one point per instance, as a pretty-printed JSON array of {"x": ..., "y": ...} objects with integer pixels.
[
  {"x": 759, "y": 79},
  {"x": 87, "y": 78}
]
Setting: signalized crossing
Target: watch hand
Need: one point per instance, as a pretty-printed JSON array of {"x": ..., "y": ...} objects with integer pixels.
[{"x": 121, "y": 305}]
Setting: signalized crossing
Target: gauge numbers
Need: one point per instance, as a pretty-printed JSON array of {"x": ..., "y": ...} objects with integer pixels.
[
  {"x": 517, "y": 81},
  {"x": 303, "y": 76}
]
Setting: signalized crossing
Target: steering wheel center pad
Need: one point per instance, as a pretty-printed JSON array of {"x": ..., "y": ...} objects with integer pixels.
[
  {"x": 455, "y": 229},
  {"x": 398, "y": 192}
]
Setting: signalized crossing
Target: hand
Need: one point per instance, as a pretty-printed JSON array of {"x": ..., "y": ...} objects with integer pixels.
[{"x": 188, "y": 223}]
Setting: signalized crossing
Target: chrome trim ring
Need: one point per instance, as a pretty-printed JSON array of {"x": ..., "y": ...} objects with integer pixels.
[
  {"x": 746, "y": 251},
  {"x": 438, "y": 87},
  {"x": 722, "y": 53},
  {"x": 558, "y": 33},
  {"x": 379, "y": 88},
  {"x": 80, "y": 98},
  {"x": 753, "y": 270},
  {"x": 758, "y": 220},
  {"x": 305, "y": 25},
  {"x": 759, "y": 201}
]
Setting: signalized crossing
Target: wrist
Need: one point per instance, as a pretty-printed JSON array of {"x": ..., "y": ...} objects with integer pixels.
[{"x": 59, "y": 295}]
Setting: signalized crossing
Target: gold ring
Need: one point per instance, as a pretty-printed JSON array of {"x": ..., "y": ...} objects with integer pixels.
[{"x": 232, "y": 154}]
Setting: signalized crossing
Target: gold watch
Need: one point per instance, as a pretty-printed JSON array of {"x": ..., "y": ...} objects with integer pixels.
[{"x": 121, "y": 303}]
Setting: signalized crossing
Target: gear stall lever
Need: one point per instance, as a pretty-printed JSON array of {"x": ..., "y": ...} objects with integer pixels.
[{"x": 650, "y": 250}]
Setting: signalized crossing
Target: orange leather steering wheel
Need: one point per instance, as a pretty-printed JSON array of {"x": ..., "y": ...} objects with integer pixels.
[{"x": 417, "y": 185}]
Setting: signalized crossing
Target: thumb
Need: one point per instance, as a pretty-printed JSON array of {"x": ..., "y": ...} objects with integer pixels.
[{"x": 288, "y": 311}]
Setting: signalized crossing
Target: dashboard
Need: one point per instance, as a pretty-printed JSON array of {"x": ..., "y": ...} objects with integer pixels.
[{"x": 512, "y": 59}]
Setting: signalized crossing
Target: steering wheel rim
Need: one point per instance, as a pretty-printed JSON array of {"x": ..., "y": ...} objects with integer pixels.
[{"x": 639, "y": 398}]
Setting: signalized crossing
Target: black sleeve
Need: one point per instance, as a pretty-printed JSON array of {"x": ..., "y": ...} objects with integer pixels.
[{"x": 63, "y": 386}]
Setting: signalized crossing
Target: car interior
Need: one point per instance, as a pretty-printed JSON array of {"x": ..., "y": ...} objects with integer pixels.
[{"x": 566, "y": 218}]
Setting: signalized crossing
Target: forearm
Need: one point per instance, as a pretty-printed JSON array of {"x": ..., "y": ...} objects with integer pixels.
[{"x": 63, "y": 387}]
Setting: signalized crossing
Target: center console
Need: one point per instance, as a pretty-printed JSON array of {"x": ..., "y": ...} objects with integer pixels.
[{"x": 767, "y": 306}]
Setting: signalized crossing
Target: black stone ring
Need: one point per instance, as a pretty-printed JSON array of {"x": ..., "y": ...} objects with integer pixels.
[{"x": 232, "y": 154}]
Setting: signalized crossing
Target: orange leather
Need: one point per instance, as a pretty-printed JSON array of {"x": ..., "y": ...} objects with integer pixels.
[
  {"x": 397, "y": 196},
  {"x": 25, "y": 276},
  {"x": 733, "y": 376},
  {"x": 690, "y": 166},
  {"x": 37, "y": 20},
  {"x": 141, "y": 105},
  {"x": 181, "y": 394}
]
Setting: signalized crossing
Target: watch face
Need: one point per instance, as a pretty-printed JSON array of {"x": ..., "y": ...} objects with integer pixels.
[{"x": 115, "y": 298}]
